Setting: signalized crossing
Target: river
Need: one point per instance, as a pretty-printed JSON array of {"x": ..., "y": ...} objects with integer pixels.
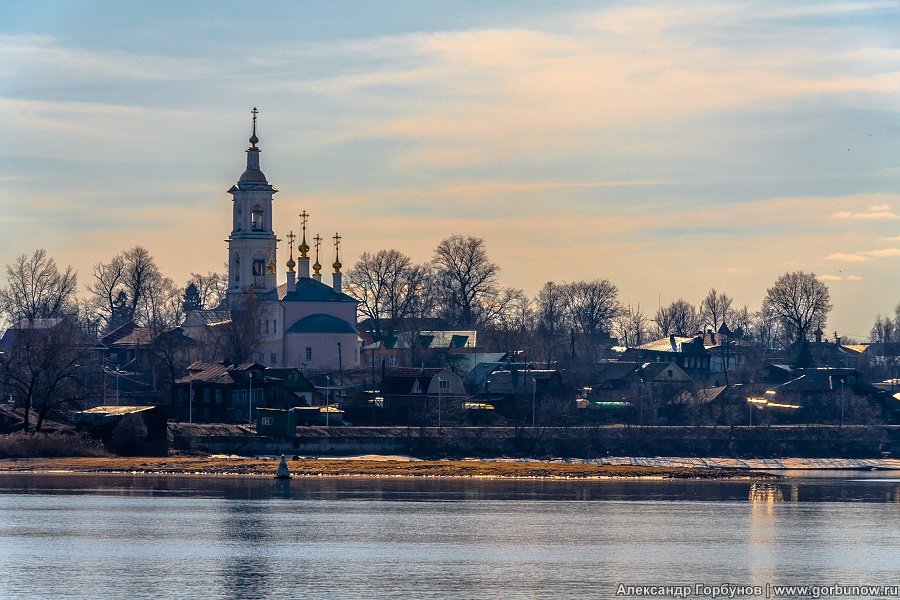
[{"x": 141, "y": 536}]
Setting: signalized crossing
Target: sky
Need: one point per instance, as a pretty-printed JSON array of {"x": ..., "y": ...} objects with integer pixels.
[{"x": 669, "y": 147}]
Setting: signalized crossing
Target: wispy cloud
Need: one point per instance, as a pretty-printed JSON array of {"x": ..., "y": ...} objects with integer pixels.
[
  {"x": 839, "y": 256},
  {"x": 864, "y": 256},
  {"x": 875, "y": 212},
  {"x": 840, "y": 278}
]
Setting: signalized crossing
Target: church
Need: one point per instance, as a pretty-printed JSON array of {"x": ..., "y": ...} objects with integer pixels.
[{"x": 302, "y": 322}]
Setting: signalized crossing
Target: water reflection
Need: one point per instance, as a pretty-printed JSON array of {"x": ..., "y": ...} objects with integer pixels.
[
  {"x": 765, "y": 493},
  {"x": 850, "y": 488},
  {"x": 152, "y": 537}
]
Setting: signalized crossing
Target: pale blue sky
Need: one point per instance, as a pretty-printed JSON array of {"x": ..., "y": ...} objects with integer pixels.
[{"x": 669, "y": 147}]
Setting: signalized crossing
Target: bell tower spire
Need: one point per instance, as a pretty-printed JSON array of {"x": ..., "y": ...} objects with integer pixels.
[{"x": 252, "y": 243}]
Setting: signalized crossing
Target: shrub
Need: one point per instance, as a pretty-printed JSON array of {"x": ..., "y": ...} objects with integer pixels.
[{"x": 30, "y": 445}]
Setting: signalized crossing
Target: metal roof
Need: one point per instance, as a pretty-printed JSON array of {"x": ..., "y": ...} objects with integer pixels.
[
  {"x": 320, "y": 323},
  {"x": 308, "y": 289}
]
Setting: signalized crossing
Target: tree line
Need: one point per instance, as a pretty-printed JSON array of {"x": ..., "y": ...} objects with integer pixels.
[
  {"x": 460, "y": 285},
  {"x": 565, "y": 323}
]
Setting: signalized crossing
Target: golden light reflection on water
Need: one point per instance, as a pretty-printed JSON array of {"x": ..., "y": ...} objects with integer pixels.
[{"x": 762, "y": 545}]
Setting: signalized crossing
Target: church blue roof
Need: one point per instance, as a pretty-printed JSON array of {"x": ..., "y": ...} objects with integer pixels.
[
  {"x": 308, "y": 290},
  {"x": 321, "y": 324}
]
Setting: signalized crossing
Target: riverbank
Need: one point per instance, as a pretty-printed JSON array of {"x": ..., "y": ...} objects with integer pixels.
[{"x": 373, "y": 466}]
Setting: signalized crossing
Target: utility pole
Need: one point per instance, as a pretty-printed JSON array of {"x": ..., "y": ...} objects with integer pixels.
[{"x": 533, "y": 394}]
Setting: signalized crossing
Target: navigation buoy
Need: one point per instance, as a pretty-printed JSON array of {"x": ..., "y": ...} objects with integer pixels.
[{"x": 283, "y": 472}]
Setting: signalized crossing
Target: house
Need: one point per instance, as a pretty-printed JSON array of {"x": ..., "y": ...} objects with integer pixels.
[
  {"x": 129, "y": 430},
  {"x": 221, "y": 392},
  {"x": 140, "y": 363},
  {"x": 421, "y": 347},
  {"x": 824, "y": 394},
  {"x": 412, "y": 395},
  {"x": 227, "y": 393},
  {"x": 688, "y": 353}
]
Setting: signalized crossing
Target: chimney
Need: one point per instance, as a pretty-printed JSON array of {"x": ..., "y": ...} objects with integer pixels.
[{"x": 672, "y": 343}]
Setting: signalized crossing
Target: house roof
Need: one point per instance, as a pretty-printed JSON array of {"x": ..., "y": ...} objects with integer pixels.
[
  {"x": 219, "y": 374},
  {"x": 668, "y": 344},
  {"x": 700, "y": 397},
  {"x": 655, "y": 369},
  {"x": 401, "y": 380},
  {"x": 429, "y": 339},
  {"x": 308, "y": 289},
  {"x": 68, "y": 331},
  {"x": 116, "y": 410},
  {"x": 615, "y": 369},
  {"x": 209, "y": 317},
  {"x": 320, "y": 323}
]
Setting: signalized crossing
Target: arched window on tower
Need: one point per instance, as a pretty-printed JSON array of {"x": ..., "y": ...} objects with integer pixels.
[
  {"x": 256, "y": 218},
  {"x": 237, "y": 270}
]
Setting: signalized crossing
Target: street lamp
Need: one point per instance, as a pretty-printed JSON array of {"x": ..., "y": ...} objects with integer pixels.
[
  {"x": 533, "y": 394},
  {"x": 191, "y": 399},
  {"x": 842, "y": 402},
  {"x": 327, "y": 398},
  {"x": 250, "y": 403},
  {"x": 440, "y": 393}
]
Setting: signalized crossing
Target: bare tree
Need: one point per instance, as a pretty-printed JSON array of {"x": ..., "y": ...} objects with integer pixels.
[
  {"x": 632, "y": 327},
  {"x": 740, "y": 320},
  {"x": 550, "y": 318},
  {"x": 714, "y": 309},
  {"x": 44, "y": 365},
  {"x": 211, "y": 288},
  {"x": 36, "y": 289},
  {"x": 239, "y": 338},
  {"x": 800, "y": 302},
  {"x": 766, "y": 329},
  {"x": 592, "y": 306},
  {"x": 389, "y": 287},
  {"x": 679, "y": 318},
  {"x": 131, "y": 287},
  {"x": 44, "y": 350},
  {"x": 465, "y": 278},
  {"x": 886, "y": 333}
]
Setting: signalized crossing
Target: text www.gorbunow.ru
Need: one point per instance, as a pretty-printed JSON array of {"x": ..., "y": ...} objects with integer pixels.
[{"x": 727, "y": 590}]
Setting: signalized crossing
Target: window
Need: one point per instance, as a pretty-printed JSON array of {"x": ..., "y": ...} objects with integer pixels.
[
  {"x": 670, "y": 373},
  {"x": 206, "y": 395},
  {"x": 265, "y": 421},
  {"x": 274, "y": 358},
  {"x": 274, "y": 325},
  {"x": 234, "y": 396},
  {"x": 444, "y": 384},
  {"x": 392, "y": 361},
  {"x": 259, "y": 395},
  {"x": 256, "y": 218},
  {"x": 243, "y": 396},
  {"x": 259, "y": 267},
  {"x": 218, "y": 396},
  {"x": 308, "y": 353}
]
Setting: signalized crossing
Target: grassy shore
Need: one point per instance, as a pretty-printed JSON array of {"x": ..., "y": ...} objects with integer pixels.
[{"x": 364, "y": 467}]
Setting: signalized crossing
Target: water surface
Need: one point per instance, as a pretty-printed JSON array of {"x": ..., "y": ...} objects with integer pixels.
[{"x": 124, "y": 536}]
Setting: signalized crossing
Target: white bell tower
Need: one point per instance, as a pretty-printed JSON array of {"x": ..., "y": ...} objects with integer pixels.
[{"x": 252, "y": 243}]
